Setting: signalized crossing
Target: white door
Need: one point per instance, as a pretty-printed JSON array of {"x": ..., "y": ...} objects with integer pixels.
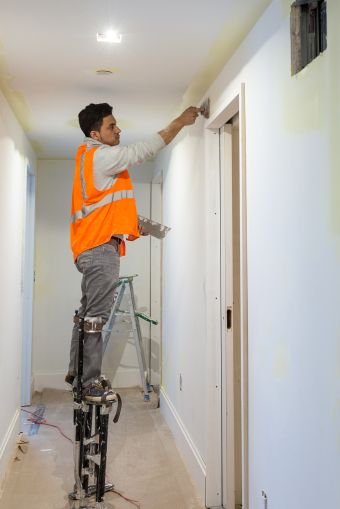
[{"x": 230, "y": 312}]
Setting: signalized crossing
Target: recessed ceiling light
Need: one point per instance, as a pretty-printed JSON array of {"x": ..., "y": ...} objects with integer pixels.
[{"x": 109, "y": 36}]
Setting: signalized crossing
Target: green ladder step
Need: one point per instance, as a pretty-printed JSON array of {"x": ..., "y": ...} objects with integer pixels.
[{"x": 147, "y": 318}]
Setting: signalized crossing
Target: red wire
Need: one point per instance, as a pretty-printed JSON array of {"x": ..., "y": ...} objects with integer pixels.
[
  {"x": 39, "y": 421},
  {"x": 133, "y": 502}
]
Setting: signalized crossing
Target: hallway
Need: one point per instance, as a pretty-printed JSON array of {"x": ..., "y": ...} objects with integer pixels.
[
  {"x": 143, "y": 461},
  {"x": 244, "y": 287}
]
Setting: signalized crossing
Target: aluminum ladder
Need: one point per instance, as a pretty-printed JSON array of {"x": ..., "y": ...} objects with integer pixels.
[{"x": 125, "y": 284}]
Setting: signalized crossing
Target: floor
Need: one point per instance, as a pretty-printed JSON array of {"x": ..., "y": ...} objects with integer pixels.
[{"x": 143, "y": 461}]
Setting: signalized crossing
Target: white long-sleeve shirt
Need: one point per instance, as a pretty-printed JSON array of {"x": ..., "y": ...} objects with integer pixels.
[{"x": 108, "y": 161}]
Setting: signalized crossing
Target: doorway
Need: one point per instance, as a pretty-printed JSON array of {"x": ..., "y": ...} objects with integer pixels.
[
  {"x": 27, "y": 290},
  {"x": 227, "y": 476}
]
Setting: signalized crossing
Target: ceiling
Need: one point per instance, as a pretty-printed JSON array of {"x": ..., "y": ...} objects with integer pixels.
[{"x": 169, "y": 54}]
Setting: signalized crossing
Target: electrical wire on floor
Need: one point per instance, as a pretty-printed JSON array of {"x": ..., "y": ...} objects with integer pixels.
[
  {"x": 130, "y": 500},
  {"x": 36, "y": 419}
]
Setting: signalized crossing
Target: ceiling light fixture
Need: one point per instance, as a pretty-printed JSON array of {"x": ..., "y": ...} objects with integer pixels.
[{"x": 109, "y": 36}]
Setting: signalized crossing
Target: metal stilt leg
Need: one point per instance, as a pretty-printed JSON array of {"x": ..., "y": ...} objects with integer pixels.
[
  {"x": 90, "y": 456},
  {"x": 91, "y": 422}
]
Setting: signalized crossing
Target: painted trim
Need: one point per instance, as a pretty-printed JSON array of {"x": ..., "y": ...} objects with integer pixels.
[
  {"x": 224, "y": 114},
  {"x": 8, "y": 445},
  {"x": 244, "y": 300},
  {"x": 186, "y": 447}
]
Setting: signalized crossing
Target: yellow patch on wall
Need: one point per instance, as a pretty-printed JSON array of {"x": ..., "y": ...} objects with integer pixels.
[
  {"x": 123, "y": 123},
  {"x": 285, "y": 5},
  {"x": 311, "y": 103},
  {"x": 281, "y": 362},
  {"x": 333, "y": 9},
  {"x": 37, "y": 147},
  {"x": 305, "y": 99},
  {"x": 15, "y": 98},
  {"x": 225, "y": 45},
  {"x": 73, "y": 122}
]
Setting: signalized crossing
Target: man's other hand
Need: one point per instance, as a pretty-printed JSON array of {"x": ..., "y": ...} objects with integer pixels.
[{"x": 141, "y": 232}]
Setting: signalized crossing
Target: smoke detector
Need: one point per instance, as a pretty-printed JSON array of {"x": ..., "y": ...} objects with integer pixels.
[{"x": 103, "y": 72}]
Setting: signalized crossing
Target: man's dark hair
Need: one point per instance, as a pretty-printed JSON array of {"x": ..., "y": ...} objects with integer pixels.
[{"x": 91, "y": 117}]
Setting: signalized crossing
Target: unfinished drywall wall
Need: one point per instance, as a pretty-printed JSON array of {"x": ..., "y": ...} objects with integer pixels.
[
  {"x": 15, "y": 155},
  {"x": 292, "y": 133},
  {"x": 57, "y": 286}
]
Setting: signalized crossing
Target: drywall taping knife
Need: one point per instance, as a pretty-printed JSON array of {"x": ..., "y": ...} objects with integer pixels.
[{"x": 152, "y": 228}]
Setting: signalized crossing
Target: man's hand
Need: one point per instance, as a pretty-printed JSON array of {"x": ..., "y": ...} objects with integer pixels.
[
  {"x": 141, "y": 232},
  {"x": 188, "y": 117}
]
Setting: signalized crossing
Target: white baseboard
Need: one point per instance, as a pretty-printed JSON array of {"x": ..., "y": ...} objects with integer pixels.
[
  {"x": 8, "y": 445},
  {"x": 186, "y": 446}
]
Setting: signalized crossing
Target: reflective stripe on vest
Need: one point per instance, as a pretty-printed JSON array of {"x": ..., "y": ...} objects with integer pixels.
[
  {"x": 109, "y": 198},
  {"x": 82, "y": 177}
]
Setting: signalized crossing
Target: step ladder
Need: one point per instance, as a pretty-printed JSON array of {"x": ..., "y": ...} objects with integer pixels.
[{"x": 125, "y": 284}]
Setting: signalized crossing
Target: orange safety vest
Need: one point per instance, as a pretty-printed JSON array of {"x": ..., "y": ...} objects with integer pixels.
[{"x": 98, "y": 215}]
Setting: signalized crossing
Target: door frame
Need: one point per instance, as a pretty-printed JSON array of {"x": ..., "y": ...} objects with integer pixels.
[{"x": 215, "y": 270}]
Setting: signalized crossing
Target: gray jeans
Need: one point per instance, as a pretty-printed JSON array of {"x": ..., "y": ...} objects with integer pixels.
[{"x": 100, "y": 269}]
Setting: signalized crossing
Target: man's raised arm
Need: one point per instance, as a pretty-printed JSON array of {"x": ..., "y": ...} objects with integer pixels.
[{"x": 188, "y": 117}]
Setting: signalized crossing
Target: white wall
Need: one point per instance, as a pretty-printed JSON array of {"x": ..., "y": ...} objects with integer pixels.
[
  {"x": 57, "y": 288},
  {"x": 15, "y": 155},
  {"x": 293, "y": 132}
]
